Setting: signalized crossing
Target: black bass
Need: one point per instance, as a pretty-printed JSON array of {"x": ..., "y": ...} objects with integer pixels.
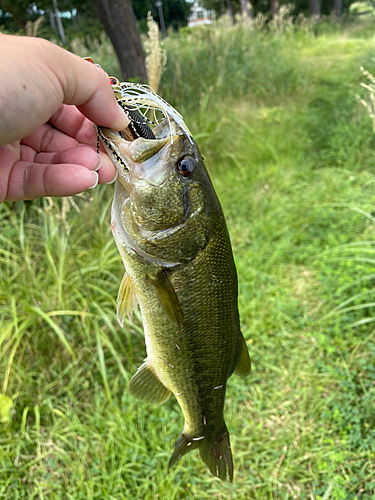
[{"x": 171, "y": 233}]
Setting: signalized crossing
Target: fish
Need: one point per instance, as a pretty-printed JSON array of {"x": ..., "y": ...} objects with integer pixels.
[{"x": 172, "y": 236}]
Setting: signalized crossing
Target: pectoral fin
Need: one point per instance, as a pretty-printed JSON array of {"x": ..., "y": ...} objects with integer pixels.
[
  {"x": 126, "y": 299},
  {"x": 243, "y": 367},
  {"x": 167, "y": 297},
  {"x": 146, "y": 386}
]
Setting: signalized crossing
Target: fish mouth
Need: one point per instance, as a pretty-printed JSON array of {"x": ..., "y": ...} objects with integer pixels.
[
  {"x": 141, "y": 158},
  {"x": 144, "y": 146},
  {"x": 139, "y": 150}
]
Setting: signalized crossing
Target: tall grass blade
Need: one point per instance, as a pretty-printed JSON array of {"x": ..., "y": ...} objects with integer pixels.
[{"x": 59, "y": 332}]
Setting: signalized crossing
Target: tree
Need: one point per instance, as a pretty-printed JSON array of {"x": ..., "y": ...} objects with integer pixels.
[
  {"x": 176, "y": 13},
  {"x": 246, "y": 9},
  {"x": 118, "y": 20},
  {"x": 223, "y": 6},
  {"x": 315, "y": 8},
  {"x": 231, "y": 11},
  {"x": 18, "y": 10},
  {"x": 274, "y": 7},
  {"x": 337, "y": 6},
  {"x": 116, "y": 16}
]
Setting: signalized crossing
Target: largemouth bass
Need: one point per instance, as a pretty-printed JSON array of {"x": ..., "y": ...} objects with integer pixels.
[{"x": 171, "y": 233}]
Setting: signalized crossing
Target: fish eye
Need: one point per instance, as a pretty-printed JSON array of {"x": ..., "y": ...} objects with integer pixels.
[{"x": 186, "y": 166}]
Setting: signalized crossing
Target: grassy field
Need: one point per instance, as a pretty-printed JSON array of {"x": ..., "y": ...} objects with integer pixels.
[{"x": 291, "y": 153}]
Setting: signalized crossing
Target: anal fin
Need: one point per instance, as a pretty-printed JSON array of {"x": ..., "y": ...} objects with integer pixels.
[
  {"x": 243, "y": 367},
  {"x": 146, "y": 386}
]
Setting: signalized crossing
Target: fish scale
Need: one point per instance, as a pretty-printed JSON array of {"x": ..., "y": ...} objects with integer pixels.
[{"x": 171, "y": 233}]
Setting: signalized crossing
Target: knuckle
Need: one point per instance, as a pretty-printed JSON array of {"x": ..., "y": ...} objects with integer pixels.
[
  {"x": 47, "y": 139},
  {"x": 26, "y": 181}
]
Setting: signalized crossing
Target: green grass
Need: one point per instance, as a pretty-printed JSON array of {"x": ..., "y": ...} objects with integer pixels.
[{"x": 291, "y": 153}]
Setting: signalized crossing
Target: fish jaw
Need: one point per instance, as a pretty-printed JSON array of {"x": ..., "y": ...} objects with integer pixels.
[
  {"x": 158, "y": 201},
  {"x": 139, "y": 160}
]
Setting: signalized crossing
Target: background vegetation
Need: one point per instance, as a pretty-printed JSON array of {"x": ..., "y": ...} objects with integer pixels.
[{"x": 291, "y": 153}]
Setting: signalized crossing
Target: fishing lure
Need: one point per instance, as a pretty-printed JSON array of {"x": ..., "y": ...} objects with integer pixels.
[{"x": 144, "y": 108}]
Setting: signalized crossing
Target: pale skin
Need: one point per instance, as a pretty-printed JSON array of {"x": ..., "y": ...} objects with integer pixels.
[{"x": 49, "y": 101}]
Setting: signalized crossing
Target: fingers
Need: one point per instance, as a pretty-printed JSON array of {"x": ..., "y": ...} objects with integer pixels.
[
  {"x": 85, "y": 156},
  {"x": 66, "y": 129},
  {"x": 88, "y": 87},
  {"x": 81, "y": 155},
  {"x": 39, "y": 76},
  {"x": 48, "y": 139},
  {"x": 54, "y": 146},
  {"x": 33, "y": 180},
  {"x": 71, "y": 122},
  {"x": 30, "y": 175}
]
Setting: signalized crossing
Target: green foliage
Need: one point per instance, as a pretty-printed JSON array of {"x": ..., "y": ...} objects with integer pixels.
[
  {"x": 6, "y": 405},
  {"x": 263, "y": 6},
  {"x": 224, "y": 63},
  {"x": 15, "y": 13},
  {"x": 291, "y": 154}
]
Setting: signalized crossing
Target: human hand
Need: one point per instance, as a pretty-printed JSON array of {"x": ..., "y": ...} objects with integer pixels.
[{"x": 49, "y": 100}]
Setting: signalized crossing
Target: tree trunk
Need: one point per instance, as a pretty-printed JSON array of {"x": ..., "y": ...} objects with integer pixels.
[
  {"x": 274, "y": 8},
  {"x": 337, "y": 8},
  {"x": 159, "y": 5},
  {"x": 231, "y": 11},
  {"x": 315, "y": 8},
  {"x": 52, "y": 20},
  {"x": 118, "y": 20},
  {"x": 74, "y": 17},
  {"x": 246, "y": 9},
  {"x": 59, "y": 22}
]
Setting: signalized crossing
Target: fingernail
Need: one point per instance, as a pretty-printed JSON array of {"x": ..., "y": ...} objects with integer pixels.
[
  {"x": 96, "y": 175},
  {"x": 100, "y": 163},
  {"x": 122, "y": 120},
  {"x": 113, "y": 180}
]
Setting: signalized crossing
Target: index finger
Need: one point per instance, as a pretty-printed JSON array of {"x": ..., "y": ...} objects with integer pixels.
[{"x": 88, "y": 87}]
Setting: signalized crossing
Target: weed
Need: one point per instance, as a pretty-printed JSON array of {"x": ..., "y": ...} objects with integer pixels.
[{"x": 291, "y": 156}]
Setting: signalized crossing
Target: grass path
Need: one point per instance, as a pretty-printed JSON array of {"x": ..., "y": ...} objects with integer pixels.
[{"x": 291, "y": 172}]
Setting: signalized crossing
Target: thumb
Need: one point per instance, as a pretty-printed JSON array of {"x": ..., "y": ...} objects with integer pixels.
[{"x": 88, "y": 87}]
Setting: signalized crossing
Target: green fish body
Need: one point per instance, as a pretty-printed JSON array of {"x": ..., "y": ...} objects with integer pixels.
[{"x": 171, "y": 233}]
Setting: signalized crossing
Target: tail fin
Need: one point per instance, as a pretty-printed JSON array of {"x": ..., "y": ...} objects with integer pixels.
[{"x": 216, "y": 454}]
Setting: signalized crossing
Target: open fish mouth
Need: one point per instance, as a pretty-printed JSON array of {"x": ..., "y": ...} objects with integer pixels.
[
  {"x": 151, "y": 122},
  {"x": 143, "y": 149},
  {"x": 150, "y": 117},
  {"x": 138, "y": 150},
  {"x": 140, "y": 159}
]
